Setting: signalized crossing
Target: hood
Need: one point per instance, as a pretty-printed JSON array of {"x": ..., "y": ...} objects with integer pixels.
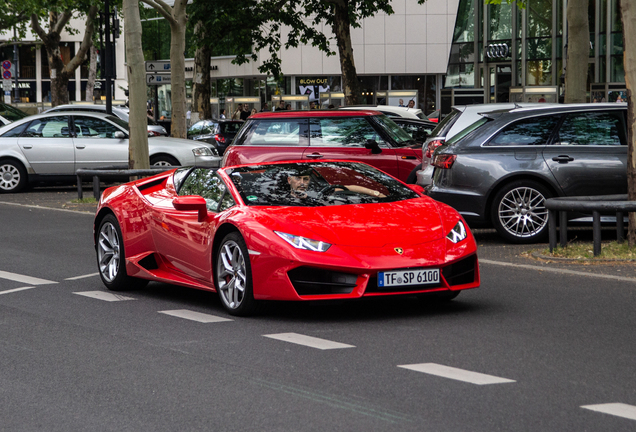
[{"x": 406, "y": 222}]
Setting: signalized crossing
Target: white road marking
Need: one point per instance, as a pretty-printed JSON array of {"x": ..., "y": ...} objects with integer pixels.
[
  {"x": 558, "y": 270},
  {"x": 617, "y": 409},
  {"x": 456, "y": 374},
  {"x": 82, "y": 277},
  {"x": 49, "y": 208},
  {"x": 15, "y": 290},
  {"x": 194, "y": 316},
  {"x": 24, "y": 279},
  {"x": 309, "y": 341},
  {"x": 101, "y": 295}
]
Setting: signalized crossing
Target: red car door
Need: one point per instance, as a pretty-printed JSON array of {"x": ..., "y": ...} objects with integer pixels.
[{"x": 347, "y": 138}]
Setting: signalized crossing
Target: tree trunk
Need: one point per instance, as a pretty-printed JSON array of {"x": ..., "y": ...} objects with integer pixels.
[
  {"x": 342, "y": 30},
  {"x": 201, "y": 108},
  {"x": 59, "y": 79},
  {"x": 178, "y": 127},
  {"x": 628, "y": 17},
  {"x": 92, "y": 74},
  {"x": 138, "y": 157},
  {"x": 578, "y": 52}
]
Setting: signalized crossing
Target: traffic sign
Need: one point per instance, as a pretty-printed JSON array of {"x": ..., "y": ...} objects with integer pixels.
[
  {"x": 156, "y": 79},
  {"x": 6, "y": 74},
  {"x": 159, "y": 66},
  {"x": 6, "y": 85},
  {"x": 6, "y": 64}
]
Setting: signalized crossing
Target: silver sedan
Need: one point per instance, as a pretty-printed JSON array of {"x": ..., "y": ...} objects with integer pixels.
[{"x": 52, "y": 146}]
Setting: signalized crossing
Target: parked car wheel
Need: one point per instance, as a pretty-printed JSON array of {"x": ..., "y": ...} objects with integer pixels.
[
  {"x": 111, "y": 257},
  {"x": 13, "y": 176},
  {"x": 234, "y": 276},
  {"x": 518, "y": 211},
  {"x": 412, "y": 179},
  {"x": 163, "y": 160}
]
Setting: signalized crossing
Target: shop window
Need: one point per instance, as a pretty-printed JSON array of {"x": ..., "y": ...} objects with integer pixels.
[
  {"x": 539, "y": 14},
  {"x": 465, "y": 22}
]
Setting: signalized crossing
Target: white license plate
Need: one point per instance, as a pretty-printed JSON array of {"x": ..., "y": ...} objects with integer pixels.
[{"x": 408, "y": 277}]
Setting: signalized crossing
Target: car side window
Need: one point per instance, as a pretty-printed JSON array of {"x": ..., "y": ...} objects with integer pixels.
[
  {"x": 342, "y": 131},
  {"x": 206, "y": 183},
  {"x": 531, "y": 131},
  {"x": 90, "y": 127},
  {"x": 284, "y": 132},
  {"x": 592, "y": 129},
  {"x": 48, "y": 127}
]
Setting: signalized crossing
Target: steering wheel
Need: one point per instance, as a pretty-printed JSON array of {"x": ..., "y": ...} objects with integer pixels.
[{"x": 332, "y": 188}]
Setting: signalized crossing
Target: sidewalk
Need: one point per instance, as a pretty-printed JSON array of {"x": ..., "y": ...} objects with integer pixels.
[{"x": 493, "y": 251}]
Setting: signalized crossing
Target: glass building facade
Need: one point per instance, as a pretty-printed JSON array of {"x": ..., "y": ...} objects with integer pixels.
[{"x": 508, "y": 50}]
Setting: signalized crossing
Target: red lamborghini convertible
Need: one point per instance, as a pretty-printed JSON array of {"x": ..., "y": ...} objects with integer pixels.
[{"x": 283, "y": 231}]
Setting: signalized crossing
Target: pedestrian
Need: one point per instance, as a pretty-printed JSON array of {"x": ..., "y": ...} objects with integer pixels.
[
  {"x": 222, "y": 113},
  {"x": 265, "y": 107},
  {"x": 246, "y": 112},
  {"x": 312, "y": 105},
  {"x": 237, "y": 113},
  {"x": 281, "y": 106},
  {"x": 411, "y": 103},
  {"x": 331, "y": 106},
  {"x": 619, "y": 99},
  {"x": 401, "y": 104},
  {"x": 253, "y": 112},
  {"x": 288, "y": 107}
]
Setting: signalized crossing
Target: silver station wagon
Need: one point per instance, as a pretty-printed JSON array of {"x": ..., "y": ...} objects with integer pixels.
[
  {"x": 52, "y": 146},
  {"x": 501, "y": 169}
]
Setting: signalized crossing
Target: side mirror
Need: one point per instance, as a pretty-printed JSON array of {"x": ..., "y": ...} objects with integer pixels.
[
  {"x": 191, "y": 203},
  {"x": 416, "y": 188},
  {"x": 120, "y": 135},
  {"x": 373, "y": 146}
]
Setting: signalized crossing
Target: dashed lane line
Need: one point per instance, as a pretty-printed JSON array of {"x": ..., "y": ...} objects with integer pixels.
[
  {"x": 82, "y": 276},
  {"x": 15, "y": 290},
  {"x": 105, "y": 296},
  {"x": 557, "y": 270},
  {"x": 24, "y": 279},
  {"x": 616, "y": 409},
  {"x": 456, "y": 374},
  {"x": 194, "y": 316},
  {"x": 309, "y": 341}
]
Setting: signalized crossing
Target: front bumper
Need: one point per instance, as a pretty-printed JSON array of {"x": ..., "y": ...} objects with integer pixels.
[{"x": 207, "y": 161}]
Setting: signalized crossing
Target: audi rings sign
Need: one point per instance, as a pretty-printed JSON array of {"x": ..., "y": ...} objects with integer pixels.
[{"x": 497, "y": 51}]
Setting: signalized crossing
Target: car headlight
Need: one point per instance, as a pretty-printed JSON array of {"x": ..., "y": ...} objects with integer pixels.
[
  {"x": 303, "y": 242},
  {"x": 458, "y": 233},
  {"x": 202, "y": 151}
]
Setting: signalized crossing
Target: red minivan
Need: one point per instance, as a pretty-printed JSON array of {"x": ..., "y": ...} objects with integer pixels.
[{"x": 361, "y": 135}]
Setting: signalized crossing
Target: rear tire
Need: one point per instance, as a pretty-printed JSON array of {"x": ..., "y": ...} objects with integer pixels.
[
  {"x": 13, "y": 176},
  {"x": 111, "y": 257},
  {"x": 518, "y": 212}
]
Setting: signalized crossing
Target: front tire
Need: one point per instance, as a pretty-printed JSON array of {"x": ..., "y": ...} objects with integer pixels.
[
  {"x": 111, "y": 257},
  {"x": 163, "y": 160},
  {"x": 234, "y": 276},
  {"x": 13, "y": 176},
  {"x": 519, "y": 214}
]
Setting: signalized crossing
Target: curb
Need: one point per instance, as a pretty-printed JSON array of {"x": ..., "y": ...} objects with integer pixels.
[{"x": 538, "y": 255}]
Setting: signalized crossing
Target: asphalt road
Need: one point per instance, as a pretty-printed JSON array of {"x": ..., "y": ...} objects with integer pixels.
[{"x": 525, "y": 352}]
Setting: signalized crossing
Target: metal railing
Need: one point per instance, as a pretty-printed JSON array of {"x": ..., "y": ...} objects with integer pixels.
[
  {"x": 112, "y": 172},
  {"x": 597, "y": 205}
]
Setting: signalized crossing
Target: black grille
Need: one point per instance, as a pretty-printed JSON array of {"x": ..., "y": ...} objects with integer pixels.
[
  {"x": 313, "y": 281},
  {"x": 149, "y": 263},
  {"x": 460, "y": 273}
]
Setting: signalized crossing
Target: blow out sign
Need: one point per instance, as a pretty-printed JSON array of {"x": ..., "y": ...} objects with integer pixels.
[{"x": 312, "y": 81}]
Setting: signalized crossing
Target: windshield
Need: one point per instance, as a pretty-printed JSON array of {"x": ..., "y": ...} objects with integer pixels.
[
  {"x": 316, "y": 184},
  {"x": 468, "y": 130},
  {"x": 11, "y": 113},
  {"x": 444, "y": 126},
  {"x": 397, "y": 134}
]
